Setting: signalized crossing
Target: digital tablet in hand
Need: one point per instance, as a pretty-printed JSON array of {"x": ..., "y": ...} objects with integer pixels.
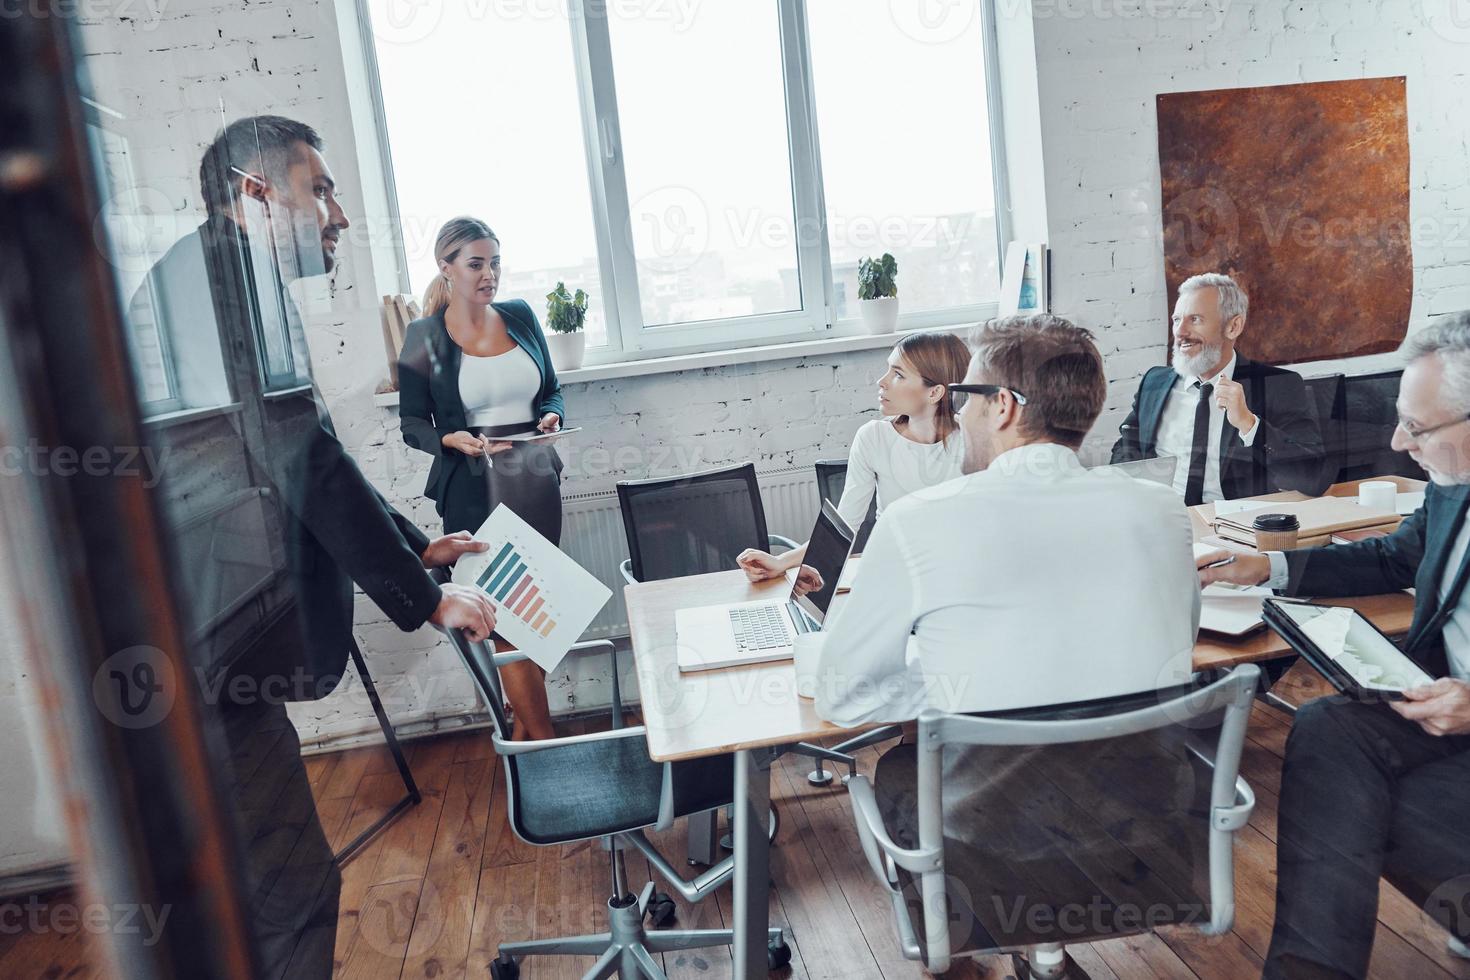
[
  {"x": 1345, "y": 648},
  {"x": 535, "y": 436}
]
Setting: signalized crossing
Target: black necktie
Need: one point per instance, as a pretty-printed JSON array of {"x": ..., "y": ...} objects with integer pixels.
[{"x": 1194, "y": 490}]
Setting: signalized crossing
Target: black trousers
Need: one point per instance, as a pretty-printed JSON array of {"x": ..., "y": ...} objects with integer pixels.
[
  {"x": 291, "y": 876},
  {"x": 1363, "y": 793}
]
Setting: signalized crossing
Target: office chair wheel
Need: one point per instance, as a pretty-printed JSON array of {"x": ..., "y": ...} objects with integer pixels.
[
  {"x": 662, "y": 911},
  {"x": 504, "y": 968},
  {"x": 778, "y": 955},
  {"x": 727, "y": 842}
]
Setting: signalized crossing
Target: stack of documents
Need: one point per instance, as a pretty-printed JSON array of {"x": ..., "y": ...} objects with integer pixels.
[{"x": 1320, "y": 519}]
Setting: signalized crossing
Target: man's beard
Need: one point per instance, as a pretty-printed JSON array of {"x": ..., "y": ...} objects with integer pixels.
[{"x": 1192, "y": 367}]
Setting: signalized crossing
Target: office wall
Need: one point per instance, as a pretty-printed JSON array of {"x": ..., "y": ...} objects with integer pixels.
[{"x": 1098, "y": 65}]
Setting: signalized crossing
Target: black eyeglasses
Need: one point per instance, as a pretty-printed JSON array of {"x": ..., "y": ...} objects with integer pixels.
[{"x": 987, "y": 390}]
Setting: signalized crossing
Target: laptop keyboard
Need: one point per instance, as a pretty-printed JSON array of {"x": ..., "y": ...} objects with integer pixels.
[{"x": 760, "y": 628}]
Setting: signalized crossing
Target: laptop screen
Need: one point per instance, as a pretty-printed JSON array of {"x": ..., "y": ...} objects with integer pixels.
[{"x": 826, "y": 553}]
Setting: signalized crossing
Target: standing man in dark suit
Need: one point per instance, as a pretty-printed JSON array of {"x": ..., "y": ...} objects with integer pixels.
[
  {"x": 1369, "y": 787},
  {"x": 1237, "y": 428},
  {"x": 220, "y": 293}
]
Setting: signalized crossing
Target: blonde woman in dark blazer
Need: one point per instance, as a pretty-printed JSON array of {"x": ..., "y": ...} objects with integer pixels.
[{"x": 473, "y": 371}]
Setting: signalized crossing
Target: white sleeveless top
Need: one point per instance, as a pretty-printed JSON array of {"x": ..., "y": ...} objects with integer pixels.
[{"x": 499, "y": 390}]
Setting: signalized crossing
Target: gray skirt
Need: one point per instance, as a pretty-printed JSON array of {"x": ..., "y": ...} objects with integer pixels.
[{"x": 526, "y": 478}]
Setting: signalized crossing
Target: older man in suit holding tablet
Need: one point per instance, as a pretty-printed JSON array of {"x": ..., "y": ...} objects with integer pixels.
[{"x": 1375, "y": 787}]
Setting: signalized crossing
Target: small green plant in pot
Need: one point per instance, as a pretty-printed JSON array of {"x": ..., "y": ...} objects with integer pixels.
[
  {"x": 565, "y": 315},
  {"x": 878, "y": 293}
]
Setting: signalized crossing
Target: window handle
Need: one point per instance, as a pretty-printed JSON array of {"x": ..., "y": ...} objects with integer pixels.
[{"x": 609, "y": 144}]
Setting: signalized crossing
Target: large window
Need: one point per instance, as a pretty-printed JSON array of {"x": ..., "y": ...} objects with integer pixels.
[{"x": 711, "y": 173}]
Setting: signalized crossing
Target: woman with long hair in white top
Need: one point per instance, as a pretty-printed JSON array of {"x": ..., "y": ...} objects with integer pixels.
[{"x": 916, "y": 444}]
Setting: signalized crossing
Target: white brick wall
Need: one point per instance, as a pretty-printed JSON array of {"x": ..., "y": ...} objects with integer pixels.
[{"x": 1100, "y": 64}]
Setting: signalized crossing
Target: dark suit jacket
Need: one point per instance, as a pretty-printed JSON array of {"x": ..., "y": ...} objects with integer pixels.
[
  {"x": 1414, "y": 555},
  {"x": 430, "y": 406},
  {"x": 1287, "y": 453},
  {"x": 336, "y": 528}
]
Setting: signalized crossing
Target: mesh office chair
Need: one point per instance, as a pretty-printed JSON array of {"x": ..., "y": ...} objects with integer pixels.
[
  {"x": 831, "y": 481},
  {"x": 1327, "y": 395},
  {"x": 576, "y": 788},
  {"x": 1030, "y": 830},
  {"x": 1370, "y": 414},
  {"x": 693, "y": 524}
]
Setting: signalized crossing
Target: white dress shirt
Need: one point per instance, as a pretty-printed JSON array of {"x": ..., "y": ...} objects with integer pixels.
[
  {"x": 1035, "y": 582},
  {"x": 1176, "y": 432},
  {"x": 881, "y": 461},
  {"x": 1456, "y": 629}
]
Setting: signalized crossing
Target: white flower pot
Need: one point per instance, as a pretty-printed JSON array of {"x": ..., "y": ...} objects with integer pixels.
[
  {"x": 567, "y": 349},
  {"x": 879, "y": 315}
]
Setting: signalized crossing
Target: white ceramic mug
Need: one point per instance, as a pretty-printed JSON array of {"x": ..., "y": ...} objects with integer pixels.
[
  {"x": 807, "y": 656},
  {"x": 1378, "y": 495}
]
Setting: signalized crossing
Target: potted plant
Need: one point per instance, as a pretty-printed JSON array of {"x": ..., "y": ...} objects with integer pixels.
[
  {"x": 878, "y": 294},
  {"x": 565, "y": 314}
]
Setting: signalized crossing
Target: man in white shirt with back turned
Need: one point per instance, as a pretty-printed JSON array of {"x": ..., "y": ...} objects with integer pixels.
[{"x": 1030, "y": 581}]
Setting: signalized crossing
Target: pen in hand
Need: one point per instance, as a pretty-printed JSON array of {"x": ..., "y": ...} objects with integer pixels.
[{"x": 1217, "y": 564}]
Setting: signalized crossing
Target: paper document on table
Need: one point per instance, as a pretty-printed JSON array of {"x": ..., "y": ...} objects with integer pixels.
[
  {"x": 1224, "y": 507},
  {"x": 1407, "y": 503},
  {"x": 1231, "y": 610},
  {"x": 543, "y": 599}
]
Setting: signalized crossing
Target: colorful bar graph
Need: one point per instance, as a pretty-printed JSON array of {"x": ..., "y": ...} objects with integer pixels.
[
  {"x": 526, "y": 600},
  {"x": 508, "y": 583},
  {"x": 533, "y": 609},
  {"x": 490, "y": 569},
  {"x": 508, "y": 580},
  {"x": 515, "y": 594}
]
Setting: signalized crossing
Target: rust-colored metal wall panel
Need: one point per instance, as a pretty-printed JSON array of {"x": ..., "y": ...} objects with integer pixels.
[{"x": 1301, "y": 192}]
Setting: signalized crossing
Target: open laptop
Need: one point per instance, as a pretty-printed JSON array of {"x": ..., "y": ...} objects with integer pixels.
[
  {"x": 733, "y": 634},
  {"x": 1155, "y": 469}
]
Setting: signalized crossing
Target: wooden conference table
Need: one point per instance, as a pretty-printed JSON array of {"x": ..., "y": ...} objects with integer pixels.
[{"x": 751, "y": 712}]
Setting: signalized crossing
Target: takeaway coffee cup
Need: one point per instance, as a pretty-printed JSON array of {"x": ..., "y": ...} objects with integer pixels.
[
  {"x": 807, "y": 654},
  {"x": 1276, "y": 532}
]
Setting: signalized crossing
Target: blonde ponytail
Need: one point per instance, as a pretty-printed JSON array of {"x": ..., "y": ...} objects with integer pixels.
[
  {"x": 436, "y": 297},
  {"x": 455, "y": 235}
]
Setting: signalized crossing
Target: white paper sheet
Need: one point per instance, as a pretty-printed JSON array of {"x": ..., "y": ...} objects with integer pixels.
[
  {"x": 543, "y": 599},
  {"x": 1226, "y": 507}
]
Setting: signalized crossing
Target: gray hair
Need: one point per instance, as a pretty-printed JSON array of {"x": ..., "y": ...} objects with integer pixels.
[
  {"x": 1233, "y": 301},
  {"x": 1449, "y": 337}
]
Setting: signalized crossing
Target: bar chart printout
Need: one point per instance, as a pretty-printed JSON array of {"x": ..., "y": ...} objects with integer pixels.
[{"x": 543, "y": 599}]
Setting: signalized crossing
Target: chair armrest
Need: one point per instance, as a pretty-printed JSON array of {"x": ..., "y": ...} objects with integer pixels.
[
  {"x": 522, "y": 748},
  {"x": 781, "y": 541},
  {"x": 626, "y": 567},
  {"x": 875, "y": 840},
  {"x": 1233, "y": 818}
]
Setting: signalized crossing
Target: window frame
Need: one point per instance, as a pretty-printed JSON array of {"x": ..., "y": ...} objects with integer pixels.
[{"x": 629, "y": 338}]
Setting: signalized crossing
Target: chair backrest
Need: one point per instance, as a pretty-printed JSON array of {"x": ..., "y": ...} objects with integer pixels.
[
  {"x": 831, "y": 481},
  {"x": 1226, "y": 702},
  {"x": 1326, "y": 392},
  {"x": 690, "y": 525},
  {"x": 1370, "y": 414}
]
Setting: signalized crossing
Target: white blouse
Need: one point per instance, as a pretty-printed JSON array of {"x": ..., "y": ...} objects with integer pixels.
[
  {"x": 499, "y": 390},
  {"x": 882, "y": 461}
]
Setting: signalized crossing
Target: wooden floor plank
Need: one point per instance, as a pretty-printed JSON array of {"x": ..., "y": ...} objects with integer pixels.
[{"x": 440, "y": 943}]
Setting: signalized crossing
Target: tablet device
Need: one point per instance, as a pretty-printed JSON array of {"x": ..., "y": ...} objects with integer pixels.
[
  {"x": 1345, "y": 648},
  {"x": 535, "y": 436}
]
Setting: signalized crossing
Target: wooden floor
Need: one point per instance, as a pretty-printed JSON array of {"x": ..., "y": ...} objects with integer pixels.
[{"x": 434, "y": 894}]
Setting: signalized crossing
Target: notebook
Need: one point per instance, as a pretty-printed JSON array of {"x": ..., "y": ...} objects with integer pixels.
[{"x": 1320, "y": 519}]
